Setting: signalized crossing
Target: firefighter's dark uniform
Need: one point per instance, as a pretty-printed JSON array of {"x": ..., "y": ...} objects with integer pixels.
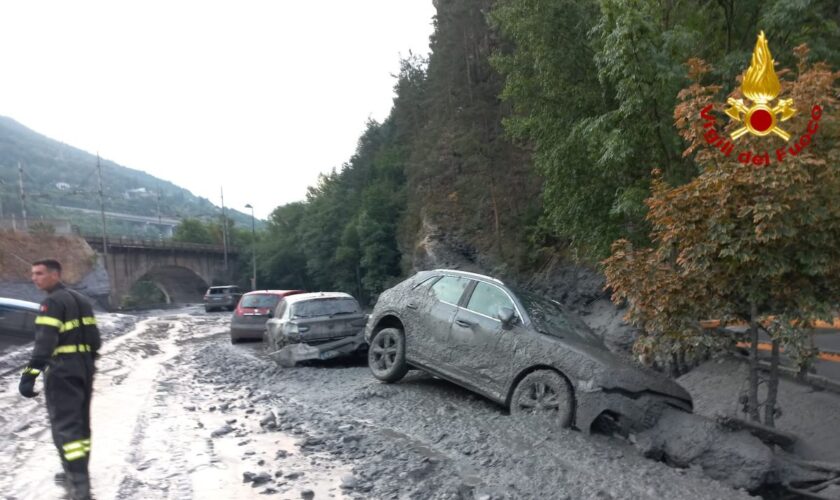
[{"x": 66, "y": 341}]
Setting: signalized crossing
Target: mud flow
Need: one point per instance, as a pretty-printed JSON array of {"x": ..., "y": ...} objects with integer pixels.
[{"x": 179, "y": 412}]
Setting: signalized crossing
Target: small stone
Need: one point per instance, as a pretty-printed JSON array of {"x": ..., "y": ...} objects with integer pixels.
[
  {"x": 212, "y": 408},
  {"x": 230, "y": 421},
  {"x": 248, "y": 477},
  {"x": 268, "y": 491},
  {"x": 261, "y": 462},
  {"x": 261, "y": 478},
  {"x": 279, "y": 473},
  {"x": 221, "y": 431},
  {"x": 250, "y": 453},
  {"x": 281, "y": 454},
  {"x": 190, "y": 408},
  {"x": 307, "y": 494},
  {"x": 293, "y": 475},
  {"x": 349, "y": 482}
]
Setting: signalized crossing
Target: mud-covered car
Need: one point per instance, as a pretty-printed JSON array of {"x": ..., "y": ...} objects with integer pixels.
[
  {"x": 322, "y": 325},
  {"x": 519, "y": 349},
  {"x": 17, "y": 321},
  {"x": 222, "y": 297},
  {"x": 252, "y": 311}
]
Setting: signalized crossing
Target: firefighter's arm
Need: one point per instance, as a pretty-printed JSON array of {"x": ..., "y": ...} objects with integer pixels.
[{"x": 48, "y": 325}]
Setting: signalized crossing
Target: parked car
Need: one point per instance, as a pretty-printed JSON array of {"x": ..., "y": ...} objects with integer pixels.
[
  {"x": 314, "y": 319},
  {"x": 253, "y": 310},
  {"x": 222, "y": 297},
  {"x": 17, "y": 320},
  {"x": 519, "y": 349}
]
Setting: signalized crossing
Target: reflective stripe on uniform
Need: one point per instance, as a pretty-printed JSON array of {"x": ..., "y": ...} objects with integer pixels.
[
  {"x": 75, "y": 450},
  {"x": 31, "y": 371},
  {"x": 49, "y": 321},
  {"x": 67, "y": 325},
  {"x": 70, "y": 325},
  {"x": 72, "y": 348}
]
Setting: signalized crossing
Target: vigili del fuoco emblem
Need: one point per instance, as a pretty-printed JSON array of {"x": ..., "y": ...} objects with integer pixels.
[{"x": 761, "y": 86}]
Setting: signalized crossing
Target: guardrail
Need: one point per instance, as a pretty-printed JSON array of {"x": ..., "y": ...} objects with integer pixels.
[{"x": 125, "y": 242}]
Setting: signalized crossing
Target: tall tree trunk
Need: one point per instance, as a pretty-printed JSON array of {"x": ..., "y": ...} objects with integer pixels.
[
  {"x": 772, "y": 386},
  {"x": 752, "y": 401}
]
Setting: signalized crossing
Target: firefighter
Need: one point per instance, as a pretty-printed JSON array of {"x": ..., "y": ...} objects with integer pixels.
[{"x": 66, "y": 343}]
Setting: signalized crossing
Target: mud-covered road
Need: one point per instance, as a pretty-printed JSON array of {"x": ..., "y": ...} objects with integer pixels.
[{"x": 179, "y": 412}]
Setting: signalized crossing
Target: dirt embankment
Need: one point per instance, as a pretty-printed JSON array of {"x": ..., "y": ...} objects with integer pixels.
[{"x": 18, "y": 250}]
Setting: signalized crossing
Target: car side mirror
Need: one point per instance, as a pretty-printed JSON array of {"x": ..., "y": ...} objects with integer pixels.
[{"x": 507, "y": 316}]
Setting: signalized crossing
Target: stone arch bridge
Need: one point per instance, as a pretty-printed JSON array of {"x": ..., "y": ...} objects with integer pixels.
[{"x": 182, "y": 271}]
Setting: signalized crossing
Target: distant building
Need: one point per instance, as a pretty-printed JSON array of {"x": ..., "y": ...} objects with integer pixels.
[
  {"x": 62, "y": 186},
  {"x": 137, "y": 193}
]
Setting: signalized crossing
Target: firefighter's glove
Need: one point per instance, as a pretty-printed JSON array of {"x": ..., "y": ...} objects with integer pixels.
[{"x": 27, "y": 382}]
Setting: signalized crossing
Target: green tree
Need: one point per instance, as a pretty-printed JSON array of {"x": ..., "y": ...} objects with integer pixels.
[
  {"x": 193, "y": 231},
  {"x": 740, "y": 242}
]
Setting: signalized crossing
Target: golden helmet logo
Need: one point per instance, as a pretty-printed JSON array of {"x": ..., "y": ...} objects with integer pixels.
[
  {"x": 760, "y": 118},
  {"x": 760, "y": 85}
]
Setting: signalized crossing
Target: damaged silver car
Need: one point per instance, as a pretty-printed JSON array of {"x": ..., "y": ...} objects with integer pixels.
[
  {"x": 516, "y": 348},
  {"x": 310, "y": 326}
]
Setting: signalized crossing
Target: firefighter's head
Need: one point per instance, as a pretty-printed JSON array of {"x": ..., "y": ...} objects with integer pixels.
[{"x": 46, "y": 273}]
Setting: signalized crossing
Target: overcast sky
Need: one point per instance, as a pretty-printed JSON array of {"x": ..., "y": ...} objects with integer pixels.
[{"x": 256, "y": 95}]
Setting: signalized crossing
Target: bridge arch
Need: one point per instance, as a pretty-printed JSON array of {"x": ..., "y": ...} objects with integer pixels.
[
  {"x": 177, "y": 283},
  {"x": 183, "y": 271}
]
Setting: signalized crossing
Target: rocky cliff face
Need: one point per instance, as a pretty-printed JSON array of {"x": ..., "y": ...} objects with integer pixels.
[{"x": 83, "y": 269}]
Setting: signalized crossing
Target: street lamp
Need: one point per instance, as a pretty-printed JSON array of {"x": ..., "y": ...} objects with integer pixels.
[{"x": 253, "y": 249}]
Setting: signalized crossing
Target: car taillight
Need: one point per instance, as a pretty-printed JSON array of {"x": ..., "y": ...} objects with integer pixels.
[{"x": 239, "y": 312}]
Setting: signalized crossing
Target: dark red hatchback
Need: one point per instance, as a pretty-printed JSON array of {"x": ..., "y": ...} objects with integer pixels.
[{"x": 253, "y": 310}]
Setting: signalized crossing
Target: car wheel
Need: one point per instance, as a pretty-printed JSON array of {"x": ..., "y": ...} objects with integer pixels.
[
  {"x": 386, "y": 355},
  {"x": 234, "y": 340},
  {"x": 208, "y": 309},
  {"x": 544, "y": 392}
]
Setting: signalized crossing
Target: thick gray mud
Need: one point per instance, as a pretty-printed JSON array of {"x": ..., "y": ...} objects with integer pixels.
[{"x": 179, "y": 412}]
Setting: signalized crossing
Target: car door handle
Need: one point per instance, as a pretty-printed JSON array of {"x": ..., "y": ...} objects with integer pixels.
[
  {"x": 411, "y": 305},
  {"x": 465, "y": 324}
]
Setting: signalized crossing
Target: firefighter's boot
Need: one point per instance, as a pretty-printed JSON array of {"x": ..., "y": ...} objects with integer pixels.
[{"x": 78, "y": 484}]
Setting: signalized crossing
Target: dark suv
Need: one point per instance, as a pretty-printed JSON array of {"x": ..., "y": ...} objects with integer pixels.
[{"x": 222, "y": 297}]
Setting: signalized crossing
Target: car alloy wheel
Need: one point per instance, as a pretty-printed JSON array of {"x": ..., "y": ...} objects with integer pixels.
[
  {"x": 386, "y": 355},
  {"x": 544, "y": 392}
]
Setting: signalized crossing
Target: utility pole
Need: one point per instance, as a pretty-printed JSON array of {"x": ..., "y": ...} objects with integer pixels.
[
  {"x": 224, "y": 227},
  {"x": 160, "y": 224},
  {"x": 22, "y": 197},
  {"x": 102, "y": 211},
  {"x": 253, "y": 248}
]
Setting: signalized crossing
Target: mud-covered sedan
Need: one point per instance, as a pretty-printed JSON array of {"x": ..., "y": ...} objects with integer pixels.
[
  {"x": 314, "y": 319},
  {"x": 518, "y": 349}
]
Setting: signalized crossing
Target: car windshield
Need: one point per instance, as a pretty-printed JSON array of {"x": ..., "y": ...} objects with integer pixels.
[
  {"x": 324, "y": 307},
  {"x": 551, "y": 318},
  {"x": 260, "y": 300},
  {"x": 221, "y": 291}
]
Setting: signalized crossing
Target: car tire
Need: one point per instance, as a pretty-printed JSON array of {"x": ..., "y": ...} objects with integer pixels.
[
  {"x": 208, "y": 309},
  {"x": 234, "y": 340},
  {"x": 386, "y": 355},
  {"x": 544, "y": 392}
]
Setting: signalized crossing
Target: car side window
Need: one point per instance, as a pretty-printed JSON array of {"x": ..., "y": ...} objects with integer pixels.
[
  {"x": 487, "y": 299},
  {"x": 449, "y": 289}
]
